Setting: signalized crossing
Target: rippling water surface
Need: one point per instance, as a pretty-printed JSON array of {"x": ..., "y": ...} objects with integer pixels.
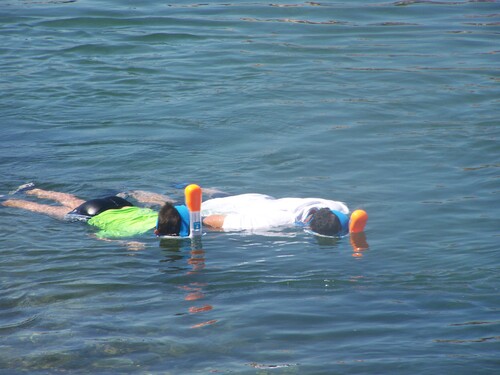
[{"x": 390, "y": 106}]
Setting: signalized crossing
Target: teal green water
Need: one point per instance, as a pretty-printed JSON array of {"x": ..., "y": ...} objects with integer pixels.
[{"x": 390, "y": 106}]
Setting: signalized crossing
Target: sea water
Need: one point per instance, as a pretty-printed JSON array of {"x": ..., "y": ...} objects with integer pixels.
[{"x": 389, "y": 106}]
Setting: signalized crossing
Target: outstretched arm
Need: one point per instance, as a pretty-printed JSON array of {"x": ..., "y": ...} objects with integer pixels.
[
  {"x": 214, "y": 221},
  {"x": 143, "y": 196}
]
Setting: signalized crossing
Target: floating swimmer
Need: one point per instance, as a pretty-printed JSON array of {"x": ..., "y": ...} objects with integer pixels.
[{"x": 257, "y": 212}]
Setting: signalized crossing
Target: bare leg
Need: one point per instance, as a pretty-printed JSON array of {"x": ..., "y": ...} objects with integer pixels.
[
  {"x": 213, "y": 193},
  {"x": 57, "y": 212},
  {"x": 69, "y": 201},
  {"x": 160, "y": 199},
  {"x": 149, "y": 197}
]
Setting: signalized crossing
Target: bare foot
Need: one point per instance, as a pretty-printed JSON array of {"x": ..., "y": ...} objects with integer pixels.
[{"x": 23, "y": 188}]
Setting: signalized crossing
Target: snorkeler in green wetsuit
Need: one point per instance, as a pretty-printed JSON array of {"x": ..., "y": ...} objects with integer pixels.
[
  {"x": 113, "y": 215},
  {"x": 124, "y": 222}
]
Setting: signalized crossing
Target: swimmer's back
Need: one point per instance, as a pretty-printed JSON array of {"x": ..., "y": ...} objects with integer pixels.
[{"x": 124, "y": 222}]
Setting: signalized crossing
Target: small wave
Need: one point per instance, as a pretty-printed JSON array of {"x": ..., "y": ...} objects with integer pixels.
[
  {"x": 163, "y": 37},
  {"x": 292, "y": 20},
  {"x": 17, "y": 325},
  {"x": 29, "y": 2},
  {"x": 473, "y": 323},
  {"x": 412, "y": 2},
  {"x": 467, "y": 341},
  {"x": 268, "y": 366}
]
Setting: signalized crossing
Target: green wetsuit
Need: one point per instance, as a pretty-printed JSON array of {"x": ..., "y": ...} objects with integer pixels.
[{"x": 124, "y": 222}]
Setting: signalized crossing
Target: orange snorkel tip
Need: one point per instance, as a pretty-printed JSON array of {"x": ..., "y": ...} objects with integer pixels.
[
  {"x": 358, "y": 221},
  {"x": 192, "y": 195}
]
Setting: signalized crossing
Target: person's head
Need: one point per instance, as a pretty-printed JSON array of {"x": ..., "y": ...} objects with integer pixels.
[
  {"x": 325, "y": 222},
  {"x": 169, "y": 221}
]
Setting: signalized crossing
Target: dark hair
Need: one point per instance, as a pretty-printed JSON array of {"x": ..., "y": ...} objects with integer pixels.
[
  {"x": 169, "y": 221},
  {"x": 325, "y": 222}
]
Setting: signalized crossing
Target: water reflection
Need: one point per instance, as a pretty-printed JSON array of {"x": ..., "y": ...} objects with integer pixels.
[
  {"x": 358, "y": 242},
  {"x": 196, "y": 264}
]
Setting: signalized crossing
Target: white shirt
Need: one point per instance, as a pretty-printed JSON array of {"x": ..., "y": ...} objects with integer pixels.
[{"x": 257, "y": 211}]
